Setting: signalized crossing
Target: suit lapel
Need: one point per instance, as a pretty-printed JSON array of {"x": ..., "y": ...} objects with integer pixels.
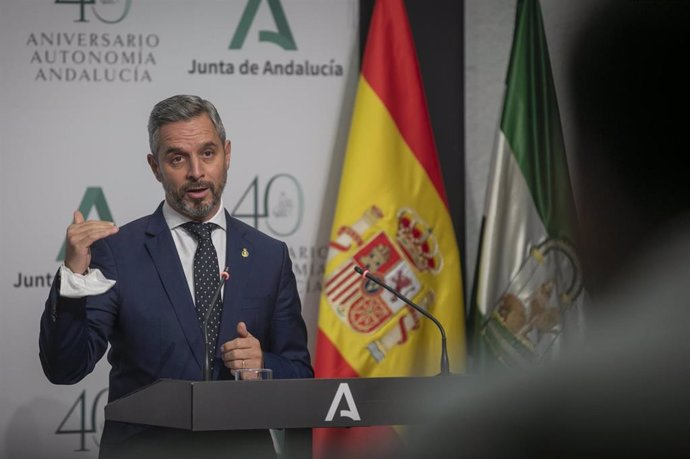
[
  {"x": 239, "y": 258},
  {"x": 162, "y": 249}
]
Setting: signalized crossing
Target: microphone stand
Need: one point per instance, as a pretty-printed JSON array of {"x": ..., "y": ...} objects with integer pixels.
[
  {"x": 445, "y": 367},
  {"x": 225, "y": 275}
]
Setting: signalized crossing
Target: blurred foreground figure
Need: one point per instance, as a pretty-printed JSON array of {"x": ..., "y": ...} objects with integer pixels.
[{"x": 624, "y": 393}]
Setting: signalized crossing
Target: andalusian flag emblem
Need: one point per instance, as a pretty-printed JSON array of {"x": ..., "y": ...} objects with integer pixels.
[
  {"x": 391, "y": 218},
  {"x": 528, "y": 289}
]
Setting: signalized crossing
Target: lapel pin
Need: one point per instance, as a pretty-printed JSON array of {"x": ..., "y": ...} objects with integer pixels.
[{"x": 245, "y": 252}]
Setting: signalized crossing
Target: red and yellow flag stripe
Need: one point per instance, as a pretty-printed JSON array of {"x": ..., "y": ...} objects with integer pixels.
[
  {"x": 390, "y": 178},
  {"x": 391, "y": 163}
]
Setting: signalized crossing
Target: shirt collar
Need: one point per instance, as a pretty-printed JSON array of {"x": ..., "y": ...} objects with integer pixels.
[{"x": 174, "y": 219}]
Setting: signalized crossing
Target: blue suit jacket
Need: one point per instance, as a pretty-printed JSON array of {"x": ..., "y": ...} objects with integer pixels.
[{"x": 149, "y": 318}]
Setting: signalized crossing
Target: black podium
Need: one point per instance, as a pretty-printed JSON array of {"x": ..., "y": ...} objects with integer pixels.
[{"x": 296, "y": 405}]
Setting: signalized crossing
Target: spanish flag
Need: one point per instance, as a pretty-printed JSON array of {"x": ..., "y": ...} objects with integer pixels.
[{"x": 391, "y": 218}]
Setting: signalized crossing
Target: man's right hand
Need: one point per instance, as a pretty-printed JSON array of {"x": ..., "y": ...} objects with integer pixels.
[{"x": 80, "y": 235}]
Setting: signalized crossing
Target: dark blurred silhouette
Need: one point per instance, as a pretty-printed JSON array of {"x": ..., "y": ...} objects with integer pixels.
[
  {"x": 630, "y": 95},
  {"x": 624, "y": 392}
]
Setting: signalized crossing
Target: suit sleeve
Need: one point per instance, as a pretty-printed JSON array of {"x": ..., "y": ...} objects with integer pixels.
[
  {"x": 287, "y": 354},
  {"x": 74, "y": 331}
]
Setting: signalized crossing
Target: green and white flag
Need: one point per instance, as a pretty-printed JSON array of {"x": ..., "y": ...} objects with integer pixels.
[{"x": 527, "y": 291}]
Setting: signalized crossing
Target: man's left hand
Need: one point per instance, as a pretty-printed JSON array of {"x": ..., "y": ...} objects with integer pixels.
[{"x": 243, "y": 351}]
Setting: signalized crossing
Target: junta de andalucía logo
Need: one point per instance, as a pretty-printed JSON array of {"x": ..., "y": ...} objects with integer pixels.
[{"x": 282, "y": 37}]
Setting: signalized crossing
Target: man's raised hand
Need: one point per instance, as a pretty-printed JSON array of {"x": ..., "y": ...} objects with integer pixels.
[{"x": 81, "y": 235}]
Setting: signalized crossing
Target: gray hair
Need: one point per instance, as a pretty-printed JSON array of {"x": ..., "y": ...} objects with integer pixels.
[{"x": 181, "y": 108}]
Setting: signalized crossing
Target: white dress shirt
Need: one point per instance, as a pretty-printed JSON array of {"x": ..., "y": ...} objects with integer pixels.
[{"x": 186, "y": 243}]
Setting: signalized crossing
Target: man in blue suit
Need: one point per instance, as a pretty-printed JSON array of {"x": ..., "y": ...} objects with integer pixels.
[{"x": 134, "y": 287}]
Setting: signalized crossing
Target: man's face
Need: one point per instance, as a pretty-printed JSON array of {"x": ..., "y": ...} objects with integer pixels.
[{"x": 192, "y": 164}]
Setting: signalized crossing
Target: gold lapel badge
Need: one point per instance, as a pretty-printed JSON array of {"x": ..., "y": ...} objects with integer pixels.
[{"x": 245, "y": 252}]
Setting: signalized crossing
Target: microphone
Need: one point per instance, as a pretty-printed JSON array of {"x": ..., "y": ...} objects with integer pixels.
[
  {"x": 224, "y": 275},
  {"x": 444, "y": 348}
]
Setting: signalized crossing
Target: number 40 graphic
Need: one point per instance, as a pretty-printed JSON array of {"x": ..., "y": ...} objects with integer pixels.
[
  {"x": 283, "y": 204},
  {"x": 77, "y": 415},
  {"x": 103, "y": 16}
]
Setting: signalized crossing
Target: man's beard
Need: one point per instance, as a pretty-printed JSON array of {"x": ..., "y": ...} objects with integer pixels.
[{"x": 193, "y": 208}]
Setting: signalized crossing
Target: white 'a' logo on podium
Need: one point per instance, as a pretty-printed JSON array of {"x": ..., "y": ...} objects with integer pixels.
[{"x": 343, "y": 392}]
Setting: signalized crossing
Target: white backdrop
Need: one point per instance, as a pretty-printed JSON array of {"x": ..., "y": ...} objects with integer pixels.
[{"x": 77, "y": 84}]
